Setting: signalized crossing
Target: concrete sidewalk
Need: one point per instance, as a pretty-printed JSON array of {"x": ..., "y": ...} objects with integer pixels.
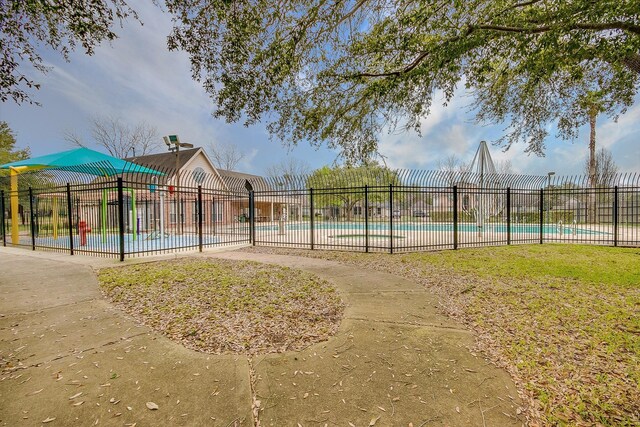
[{"x": 394, "y": 361}]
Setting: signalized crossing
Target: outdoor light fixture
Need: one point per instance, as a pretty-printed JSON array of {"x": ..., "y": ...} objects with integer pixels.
[
  {"x": 173, "y": 141},
  {"x": 174, "y": 144},
  {"x": 549, "y": 175}
]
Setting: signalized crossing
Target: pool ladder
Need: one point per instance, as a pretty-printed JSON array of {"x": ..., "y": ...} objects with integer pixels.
[{"x": 560, "y": 227}]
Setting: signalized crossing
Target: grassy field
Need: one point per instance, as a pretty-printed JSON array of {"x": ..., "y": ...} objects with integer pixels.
[
  {"x": 222, "y": 306},
  {"x": 564, "y": 320}
]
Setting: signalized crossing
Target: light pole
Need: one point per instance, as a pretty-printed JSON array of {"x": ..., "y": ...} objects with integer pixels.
[
  {"x": 174, "y": 144},
  {"x": 549, "y": 175}
]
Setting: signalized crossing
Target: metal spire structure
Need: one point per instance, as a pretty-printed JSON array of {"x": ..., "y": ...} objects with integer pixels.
[
  {"x": 482, "y": 166},
  {"x": 482, "y": 163}
]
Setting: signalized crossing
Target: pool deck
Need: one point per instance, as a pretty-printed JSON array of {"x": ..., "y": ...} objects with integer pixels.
[{"x": 407, "y": 236}]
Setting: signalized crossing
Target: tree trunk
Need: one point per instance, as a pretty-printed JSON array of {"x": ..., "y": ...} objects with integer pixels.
[
  {"x": 632, "y": 62},
  {"x": 591, "y": 209},
  {"x": 592, "y": 147}
]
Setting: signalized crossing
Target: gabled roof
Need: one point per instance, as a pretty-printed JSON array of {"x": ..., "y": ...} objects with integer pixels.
[
  {"x": 165, "y": 162},
  {"x": 235, "y": 181}
]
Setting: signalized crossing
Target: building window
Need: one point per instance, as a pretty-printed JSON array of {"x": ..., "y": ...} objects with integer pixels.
[
  {"x": 198, "y": 175},
  {"x": 216, "y": 211},
  {"x": 195, "y": 211},
  {"x": 465, "y": 202},
  {"x": 172, "y": 212}
]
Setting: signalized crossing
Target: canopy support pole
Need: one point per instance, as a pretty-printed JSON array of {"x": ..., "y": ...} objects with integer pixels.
[
  {"x": 15, "y": 231},
  {"x": 54, "y": 218}
]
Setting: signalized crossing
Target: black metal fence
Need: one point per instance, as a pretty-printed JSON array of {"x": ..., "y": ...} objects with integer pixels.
[
  {"x": 391, "y": 211},
  {"x": 402, "y": 211},
  {"x": 124, "y": 216}
]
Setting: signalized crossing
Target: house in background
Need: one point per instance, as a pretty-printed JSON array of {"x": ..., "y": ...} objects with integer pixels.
[
  {"x": 270, "y": 205},
  {"x": 224, "y": 193},
  {"x": 184, "y": 172}
]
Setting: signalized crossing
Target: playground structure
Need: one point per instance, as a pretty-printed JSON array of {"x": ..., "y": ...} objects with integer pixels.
[
  {"x": 48, "y": 206},
  {"x": 80, "y": 160},
  {"x": 133, "y": 219}
]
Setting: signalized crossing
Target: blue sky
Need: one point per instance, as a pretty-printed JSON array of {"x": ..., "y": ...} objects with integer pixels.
[{"x": 137, "y": 79}]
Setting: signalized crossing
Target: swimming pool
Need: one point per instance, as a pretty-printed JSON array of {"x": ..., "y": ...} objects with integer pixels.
[
  {"x": 435, "y": 227},
  {"x": 111, "y": 243}
]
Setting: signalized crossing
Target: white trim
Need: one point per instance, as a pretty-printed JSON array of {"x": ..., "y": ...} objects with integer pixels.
[{"x": 213, "y": 168}]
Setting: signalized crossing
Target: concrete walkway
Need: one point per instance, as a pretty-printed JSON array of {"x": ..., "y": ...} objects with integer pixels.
[{"x": 68, "y": 354}]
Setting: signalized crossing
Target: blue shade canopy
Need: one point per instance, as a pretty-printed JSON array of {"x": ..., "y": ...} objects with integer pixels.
[{"x": 82, "y": 160}]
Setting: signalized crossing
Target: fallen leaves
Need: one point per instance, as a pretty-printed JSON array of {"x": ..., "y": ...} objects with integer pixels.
[
  {"x": 222, "y": 306},
  {"x": 555, "y": 329}
]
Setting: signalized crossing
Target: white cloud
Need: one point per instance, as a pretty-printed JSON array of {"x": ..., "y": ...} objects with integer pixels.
[
  {"x": 247, "y": 162},
  {"x": 445, "y": 131},
  {"x": 611, "y": 133},
  {"x": 450, "y": 130}
]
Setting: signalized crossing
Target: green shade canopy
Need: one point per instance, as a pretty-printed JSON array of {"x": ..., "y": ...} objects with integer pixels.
[{"x": 82, "y": 160}]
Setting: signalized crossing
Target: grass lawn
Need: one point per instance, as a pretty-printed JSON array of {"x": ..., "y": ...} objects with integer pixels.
[
  {"x": 223, "y": 306},
  {"x": 564, "y": 320}
]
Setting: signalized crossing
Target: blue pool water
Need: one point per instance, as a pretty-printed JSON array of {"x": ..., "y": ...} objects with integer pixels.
[
  {"x": 141, "y": 243},
  {"x": 434, "y": 227}
]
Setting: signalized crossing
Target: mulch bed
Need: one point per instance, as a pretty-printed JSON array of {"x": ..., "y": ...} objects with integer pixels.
[{"x": 223, "y": 306}]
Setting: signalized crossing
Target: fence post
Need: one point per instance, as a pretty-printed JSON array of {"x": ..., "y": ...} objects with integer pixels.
[
  {"x": 200, "y": 218},
  {"x": 4, "y": 231},
  {"x": 70, "y": 218},
  {"x": 455, "y": 217},
  {"x": 615, "y": 216},
  {"x": 31, "y": 216},
  {"x": 252, "y": 217},
  {"x": 508, "y": 215},
  {"x": 541, "y": 213},
  {"x": 391, "y": 218},
  {"x": 311, "y": 217},
  {"x": 366, "y": 218},
  {"x": 121, "y": 217}
]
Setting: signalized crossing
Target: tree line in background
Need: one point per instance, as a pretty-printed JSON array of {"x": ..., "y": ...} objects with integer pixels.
[
  {"x": 119, "y": 138},
  {"x": 8, "y": 151}
]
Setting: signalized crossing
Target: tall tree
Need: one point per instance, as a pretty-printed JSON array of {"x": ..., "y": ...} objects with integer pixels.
[
  {"x": 604, "y": 168},
  {"x": 335, "y": 184},
  {"x": 59, "y": 25},
  {"x": 452, "y": 167},
  {"x": 119, "y": 138},
  {"x": 341, "y": 72},
  {"x": 226, "y": 155},
  {"x": 592, "y": 104},
  {"x": 504, "y": 167},
  {"x": 452, "y": 164},
  {"x": 288, "y": 170},
  {"x": 8, "y": 153}
]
